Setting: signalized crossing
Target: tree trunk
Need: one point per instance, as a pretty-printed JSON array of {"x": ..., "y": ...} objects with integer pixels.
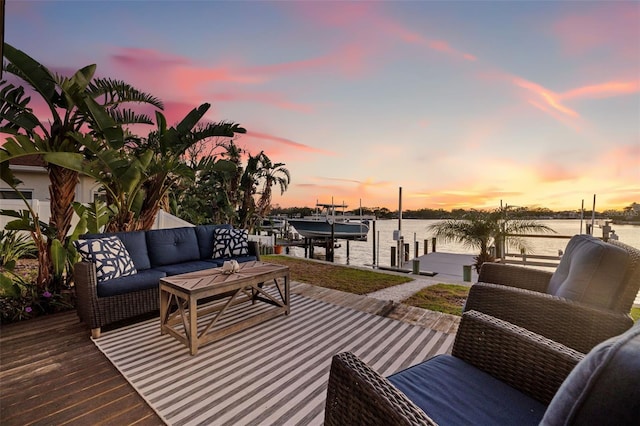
[
  {"x": 45, "y": 266},
  {"x": 62, "y": 192}
]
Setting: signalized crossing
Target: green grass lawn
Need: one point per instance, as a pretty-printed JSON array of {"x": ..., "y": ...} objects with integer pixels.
[
  {"x": 336, "y": 277},
  {"x": 447, "y": 298}
]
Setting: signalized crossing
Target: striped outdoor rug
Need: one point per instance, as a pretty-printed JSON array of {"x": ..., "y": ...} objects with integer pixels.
[{"x": 275, "y": 373}]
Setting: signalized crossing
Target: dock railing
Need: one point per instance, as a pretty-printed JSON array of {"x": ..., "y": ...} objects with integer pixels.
[{"x": 526, "y": 259}]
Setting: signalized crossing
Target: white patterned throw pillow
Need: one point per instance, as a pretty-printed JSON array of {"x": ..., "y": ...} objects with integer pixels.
[
  {"x": 230, "y": 243},
  {"x": 110, "y": 256}
]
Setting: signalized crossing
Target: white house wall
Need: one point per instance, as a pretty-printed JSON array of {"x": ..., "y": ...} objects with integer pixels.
[{"x": 36, "y": 180}]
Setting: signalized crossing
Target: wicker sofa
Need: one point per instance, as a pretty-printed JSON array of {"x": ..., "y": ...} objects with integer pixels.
[
  {"x": 498, "y": 374},
  {"x": 585, "y": 301},
  {"x": 154, "y": 254}
]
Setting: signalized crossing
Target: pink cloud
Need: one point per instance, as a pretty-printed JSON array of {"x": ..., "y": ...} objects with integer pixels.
[
  {"x": 554, "y": 172},
  {"x": 267, "y": 98},
  {"x": 371, "y": 22},
  {"x": 612, "y": 26},
  {"x": 395, "y": 28},
  {"x": 544, "y": 96},
  {"x": 287, "y": 142},
  {"x": 155, "y": 69},
  {"x": 604, "y": 90},
  {"x": 144, "y": 59}
]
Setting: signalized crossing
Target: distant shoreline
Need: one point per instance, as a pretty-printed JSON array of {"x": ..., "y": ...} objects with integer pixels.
[{"x": 625, "y": 222}]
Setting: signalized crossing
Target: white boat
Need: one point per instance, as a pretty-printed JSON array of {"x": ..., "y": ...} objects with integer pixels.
[{"x": 327, "y": 224}]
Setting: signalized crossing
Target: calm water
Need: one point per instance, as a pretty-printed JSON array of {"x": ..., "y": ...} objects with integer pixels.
[{"x": 361, "y": 253}]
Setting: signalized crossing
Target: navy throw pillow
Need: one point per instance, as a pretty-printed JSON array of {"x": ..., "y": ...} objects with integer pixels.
[
  {"x": 110, "y": 256},
  {"x": 230, "y": 243}
]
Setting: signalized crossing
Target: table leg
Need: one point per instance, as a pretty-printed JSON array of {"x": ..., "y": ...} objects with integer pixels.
[
  {"x": 193, "y": 325},
  {"x": 287, "y": 295},
  {"x": 164, "y": 310}
]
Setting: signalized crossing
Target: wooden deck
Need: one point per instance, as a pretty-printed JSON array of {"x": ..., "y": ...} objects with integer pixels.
[{"x": 52, "y": 374}]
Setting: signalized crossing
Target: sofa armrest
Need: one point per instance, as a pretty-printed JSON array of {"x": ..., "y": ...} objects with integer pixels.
[
  {"x": 254, "y": 249},
  {"x": 85, "y": 283},
  {"x": 358, "y": 395},
  {"x": 526, "y": 361},
  {"x": 573, "y": 324},
  {"x": 515, "y": 276}
]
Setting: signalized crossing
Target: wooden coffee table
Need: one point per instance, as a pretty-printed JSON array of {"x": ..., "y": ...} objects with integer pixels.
[{"x": 246, "y": 286}]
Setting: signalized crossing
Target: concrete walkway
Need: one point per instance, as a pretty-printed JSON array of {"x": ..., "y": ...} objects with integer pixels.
[{"x": 449, "y": 269}]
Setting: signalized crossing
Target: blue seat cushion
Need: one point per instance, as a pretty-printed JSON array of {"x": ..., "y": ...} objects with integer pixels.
[
  {"x": 136, "y": 245},
  {"x": 183, "y": 268},
  {"x": 205, "y": 235},
  {"x": 590, "y": 271},
  {"x": 171, "y": 246},
  {"x": 239, "y": 259},
  {"x": 453, "y": 392},
  {"x": 143, "y": 280},
  {"x": 604, "y": 388}
]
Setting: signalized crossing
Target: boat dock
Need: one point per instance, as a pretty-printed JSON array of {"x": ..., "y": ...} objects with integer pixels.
[{"x": 446, "y": 267}]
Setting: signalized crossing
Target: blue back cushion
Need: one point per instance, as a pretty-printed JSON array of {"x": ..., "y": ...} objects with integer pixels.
[
  {"x": 591, "y": 271},
  {"x": 171, "y": 246},
  {"x": 136, "y": 245},
  {"x": 205, "y": 234},
  {"x": 604, "y": 388},
  {"x": 453, "y": 392}
]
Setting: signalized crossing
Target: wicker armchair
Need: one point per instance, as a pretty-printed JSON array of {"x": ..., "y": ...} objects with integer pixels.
[
  {"x": 580, "y": 320},
  {"x": 498, "y": 373}
]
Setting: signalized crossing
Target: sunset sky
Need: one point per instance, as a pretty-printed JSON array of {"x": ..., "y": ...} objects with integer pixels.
[{"x": 462, "y": 104}]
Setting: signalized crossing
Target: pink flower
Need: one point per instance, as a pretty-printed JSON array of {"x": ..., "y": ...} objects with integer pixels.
[
  {"x": 46, "y": 294},
  {"x": 28, "y": 309}
]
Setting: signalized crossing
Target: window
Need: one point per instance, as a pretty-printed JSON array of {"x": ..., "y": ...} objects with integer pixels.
[
  {"x": 100, "y": 195},
  {"x": 10, "y": 194}
]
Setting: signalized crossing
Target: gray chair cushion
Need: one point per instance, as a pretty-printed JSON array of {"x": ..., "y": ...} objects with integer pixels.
[
  {"x": 604, "y": 388},
  {"x": 591, "y": 271},
  {"x": 171, "y": 246}
]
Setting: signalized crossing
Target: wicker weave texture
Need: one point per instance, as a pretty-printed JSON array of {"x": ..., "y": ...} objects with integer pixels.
[
  {"x": 526, "y": 361},
  {"x": 515, "y": 276},
  {"x": 100, "y": 311},
  {"x": 531, "y": 363},
  {"x": 573, "y": 324},
  {"x": 357, "y": 395}
]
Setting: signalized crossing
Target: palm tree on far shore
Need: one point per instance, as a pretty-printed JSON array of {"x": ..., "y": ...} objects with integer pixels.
[{"x": 482, "y": 229}]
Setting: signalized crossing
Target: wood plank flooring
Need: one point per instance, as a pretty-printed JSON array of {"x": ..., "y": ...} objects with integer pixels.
[{"x": 52, "y": 374}]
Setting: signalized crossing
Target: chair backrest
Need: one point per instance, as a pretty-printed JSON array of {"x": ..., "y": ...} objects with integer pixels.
[
  {"x": 604, "y": 388},
  {"x": 632, "y": 279},
  {"x": 592, "y": 272}
]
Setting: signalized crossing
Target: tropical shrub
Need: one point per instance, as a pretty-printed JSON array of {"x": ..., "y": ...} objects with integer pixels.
[
  {"x": 482, "y": 229},
  {"x": 14, "y": 246}
]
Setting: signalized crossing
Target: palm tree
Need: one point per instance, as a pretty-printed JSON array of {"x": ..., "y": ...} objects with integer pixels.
[
  {"x": 273, "y": 174},
  {"x": 75, "y": 104},
  {"x": 168, "y": 165},
  {"x": 481, "y": 229}
]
